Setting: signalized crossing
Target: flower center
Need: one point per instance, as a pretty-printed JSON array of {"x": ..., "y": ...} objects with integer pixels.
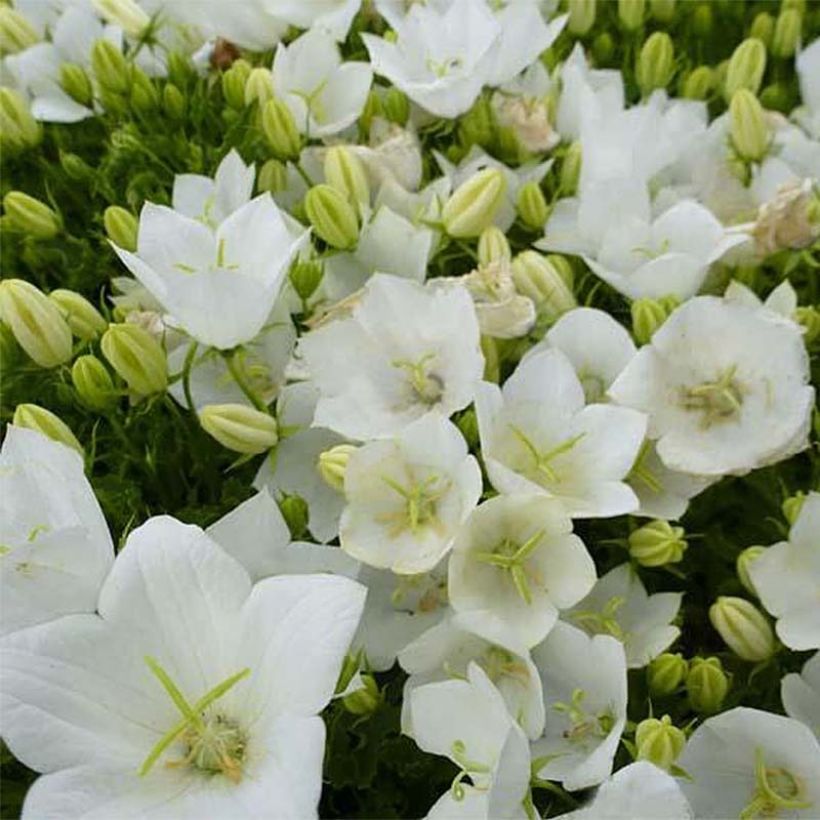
[
  {"x": 603, "y": 622},
  {"x": 427, "y": 388},
  {"x": 441, "y": 68},
  {"x": 543, "y": 469},
  {"x": 500, "y": 663},
  {"x": 719, "y": 400},
  {"x": 511, "y": 558},
  {"x": 583, "y": 726},
  {"x": 420, "y": 504},
  {"x": 419, "y": 593},
  {"x": 775, "y": 789}
]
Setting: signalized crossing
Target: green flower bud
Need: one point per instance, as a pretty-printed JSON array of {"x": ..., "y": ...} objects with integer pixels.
[
  {"x": 76, "y": 83},
  {"x": 18, "y": 129},
  {"x": 34, "y": 417},
  {"x": 581, "y": 16},
  {"x": 332, "y": 464},
  {"x": 797, "y": 5},
  {"x": 280, "y": 129},
  {"x": 30, "y": 216},
  {"x": 631, "y": 13},
  {"x": 747, "y": 126},
  {"x": 777, "y": 97},
  {"x": 364, "y": 701},
  {"x": 345, "y": 172},
  {"x": 746, "y": 68},
  {"x": 571, "y": 169},
  {"x": 762, "y": 28},
  {"x": 536, "y": 277},
  {"x": 16, "y": 33},
  {"x": 137, "y": 357},
  {"x": 144, "y": 96},
  {"x": 666, "y": 673},
  {"x": 272, "y": 177},
  {"x": 372, "y": 108},
  {"x": 124, "y": 13},
  {"x": 656, "y": 63},
  {"x": 333, "y": 217},
  {"x": 564, "y": 268},
  {"x": 477, "y": 126},
  {"x": 787, "y": 32},
  {"x": 93, "y": 383},
  {"x": 36, "y": 322},
  {"x": 76, "y": 167},
  {"x": 493, "y": 246},
  {"x": 396, "y": 106},
  {"x": 647, "y": 316},
  {"x": 743, "y": 627},
  {"x": 174, "y": 103},
  {"x": 474, "y": 204},
  {"x": 83, "y": 318},
  {"x": 659, "y": 741},
  {"x": 240, "y": 428},
  {"x": 657, "y": 543},
  {"x": 305, "y": 276},
  {"x": 603, "y": 48},
  {"x": 181, "y": 70},
  {"x": 791, "y": 507},
  {"x": 702, "y": 20},
  {"x": 809, "y": 319},
  {"x": 294, "y": 510},
  {"x": 742, "y": 564},
  {"x": 699, "y": 84},
  {"x": 531, "y": 205},
  {"x": 121, "y": 227},
  {"x": 259, "y": 87},
  {"x": 110, "y": 67},
  {"x": 663, "y": 10},
  {"x": 234, "y": 81},
  {"x": 706, "y": 684}
]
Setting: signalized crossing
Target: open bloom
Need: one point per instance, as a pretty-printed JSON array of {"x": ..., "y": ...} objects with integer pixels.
[
  {"x": 190, "y": 690},
  {"x": 407, "y": 496},
  {"x": 55, "y": 549},
  {"x": 725, "y": 387},
  {"x": 801, "y": 694},
  {"x": 538, "y": 437}
]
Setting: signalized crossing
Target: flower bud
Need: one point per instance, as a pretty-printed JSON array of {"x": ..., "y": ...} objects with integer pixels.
[
  {"x": 777, "y": 97},
  {"x": 791, "y": 507},
  {"x": 659, "y": 741},
  {"x": 295, "y": 511},
  {"x": 747, "y": 126},
  {"x": 536, "y": 277},
  {"x": 93, "y": 383},
  {"x": 531, "y": 205},
  {"x": 647, "y": 316},
  {"x": 123, "y": 13},
  {"x": 742, "y": 564},
  {"x": 272, "y": 177},
  {"x": 666, "y": 673},
  {"x": 702, "y": 20},
  {"x": 18, "y": 129},
  {"x": 144, "y": 96},
  {"x": 808, "y": 317},
  {"x": 259, "y": 87},
  {"x": 706, "y": 684},
  {"x": 110, "y": 67},
  {"x": 137, "y": 357},
  {"x": 493, "y": 246},
  {"x": 372, "y": 108},
  {"x": 743, "y": 627},
  {"x": 787, "y": 32},
  {"x": 603, "y": 48},
  {"x": 239, "y": 428},
  {"x": 280, "y": 129},
  {"x": 16, "y": 33},
  {"x": 305, "y": 276},
  {"x": 663, "y": 10},
  {"x": 121, "y": 226},
  {"x": 563, "y": 267},
  {"x": 36, "y": 322},
  {"x": 333, "y": 463},
  {"x": 631, "y": 13},
  {"x": 345, "y": 172},
  {"x": 762, "y": 28},
  {"x": 474, "y": 204},
  {"x": 366, "y": 700},
  {"x": 333, "y": 217},
  {"x": 83, "y": 318},
  {"x": 477, "y": 126},
  {"x": 581, "y": 16},
  {"x": 30, "y": 216},
  {"x": 571, "y": 169},
  {"x": 656, "y": 63},
  {"x": 34, "y": 417},
  {"x": 657, "y": 543},
  {"x": 396, "y": 106},
  {"x": 746, "y": 68},
  {"x": 699, "y": 84},
  {"x": 76, "y": 83},
  {"x": 174, "y": 104},
  {"x": 233, "y": 84}
]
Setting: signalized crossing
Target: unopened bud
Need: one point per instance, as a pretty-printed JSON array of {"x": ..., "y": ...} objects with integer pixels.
[
  {"x": 372, "y": 108},
  {"x": 656, "y": 63},
  {"x": 657, "y": 543},
  {"x": 706, "y": 684},
  {"x": 647, "y": 316},
  {"x": 663, "y": 10},
  {"x": 777, "y": 97},
  {"x": 571, "y": 169},
  {"x": 702, "y": 20},
  {"x": 477, "y": 126},
  {"x": 474, "y": 204},
  {"x": 564, "y": 268},
  {"x": 659, "y": 741},
  {"x": 137, "y": 357},
  {"x": 173, "y": 102},
  {"x": 333, "y": 217},
  {"x": 110, "y": 67},
  {"x": 762, "y": 28},
  {"x": 345, "y": 172},
  {"x": 93, "y": 383},
  {"x": 493, "y": 246},
  {"x": 34, "y": 417},
  {"x": 85, "y": 321},
  {"x": 295, "y": 511},
  {"x": 234, "y": 81},
  {"x": 16, "y": 33},
  {"x": 121, "y": 226},
  {"x": 746, "y": 68},
  {"x": 144, "y": 96},
  {"x": 240, "y": 428},
  {"x": 536, "y": 277},
  {"x": 30, "y": 216},
  {"x": 699, "y": 84},
  {"x": 76, "y": 167},
  {"x": 747, "y": 126},
  {"x": 124, "y": 13},
  {"x": 18, "y": 129},
  {"x": 280, "y": 129},
  {"x": 396, "y": 106},
  {"x": 787, "y": 32},
  {"x": 531, "y": 205},
  {"x": 631, "y": 13},
  {"x": 272, "y": 177},
  {"x": 259, "y": 87},
  {"x": 742, "y": 564},
  {"x": 333, "y": 463},
  {"x": 76, "y": 83},
  {"x": 743, "y": 627},
  {"x": 791, "y": 507},
  {"x": 808, "y": 317},
  {"x": 366, "y": 700},
  {"x": 36, "y": 322},
  {"x": 666, "y": 673},
  {"x": 305, "y": 276},
  {"x": 603, "y": 48},
  {"x": 581, "y": 16}
]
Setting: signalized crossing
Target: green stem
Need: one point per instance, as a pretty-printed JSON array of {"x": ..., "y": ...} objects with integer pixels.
[{"x": 186, "y": 375}]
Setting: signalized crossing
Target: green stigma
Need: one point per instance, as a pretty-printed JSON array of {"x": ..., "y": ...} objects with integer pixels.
[
  {"x": 719, "y": 400},
  {"x": 511, "y": 558},
  {"x": 542, "y": 467},
  {"x": 775, "y": 789}
]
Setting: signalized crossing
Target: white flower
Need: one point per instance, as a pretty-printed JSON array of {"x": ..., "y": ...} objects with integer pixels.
[
  {"x": 55, "y": 549},
  {"x": 515, "y": 563},
  {"x": 786, "y": 578},
  {"x": 406, "y": 351},
  {"x": 807, "y": 65},
  {"x": 407, "y": 496},
  {"x": 468, "y": 722},
  {"x": 333, "y": 16},
  {"x": 801, "y": 694},
  {"x": 220, "y": 286},
  {"x": 750, "y": 763},
  {"x": 325, "y": 94},
  {"x": 620, "y": 606},
  {"x": 725, "y": 387},
  {"x": 782, "y": 300},
  {"x": 186, "y": 664},
  {"x": 537, "y": 436},
  {"x": 584, "y": 681}
]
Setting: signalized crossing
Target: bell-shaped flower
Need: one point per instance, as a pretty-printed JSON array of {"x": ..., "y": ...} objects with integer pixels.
[
  {"x": 620, "y": 606},
  {"x": 786, "y": 578},
  {"x": 750, "y": 763},
  {"x": 56, "y": 549},
  {"x": 405, "y": 352},
  {"x": 800, "y": 694},
  {"x": 585, "y": 693},
  {"x": 782, "y": 300},
  {"x": 332, "y": 16},
  {"x": 324, "y": 93},
  {"x": 538, "y": 437},
  {"x": 220, "y": 286},
  {"x": 725, "y": 387},
  {"x": 408, "y": 496},
  {"x": 191, "y": 689},
  {"x": 515, "y": 563}
]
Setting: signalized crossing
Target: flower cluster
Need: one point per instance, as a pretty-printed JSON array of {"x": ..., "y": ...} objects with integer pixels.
[{"x": 409, "y": 409}]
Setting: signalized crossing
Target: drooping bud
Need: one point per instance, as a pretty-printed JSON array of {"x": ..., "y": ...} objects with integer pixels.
[
  {"x": 631, "y": 13},
  {"x": 531, "y": 205},
  {"x": 93, "y": 383},
  {"x": 699, "y": 84},
  {"x": 666, "y": 673},
  {"x": 493, "y": 246},
  {"x": 34, "y": 417},
  {"x": 174, "y": 103},
  {"x": 657, "y": 543},
  {"x": 18, "y": 129},
  {"x": 137, "y": 357},
  {"x": 536, "y": 277},
  {"x": 787, "y": 32},
  {"x": 791, "y": 507},
  {"x": 706, "y": 684},
  {"x": 366, "y": 700},
  {"x": 571, "y": 169},
  {"x": 295, "y": 511},
  {"x": 581, "y": 16},
  {"x": 76, "y": 83},
  {"x": 746, "y": 68},
  {"x": 280, "y": 129},
  {"x": 36, "y": 322},
  {"x": 743, "y": 627},
  {"x": 85, "y": 321},
  {"x": 259, "y": 87},
  {"x": 110, "y": 67},
  {"x": 346, "y": 172},
  {"x": 234, "y": 81},
  {"x": 656, "y": 63},
  {"x": 647, "y": 316},
  {"x": 332, "y": 464},
  {"x": 240, "y": 428},
  {"x": 121, "y": 226},
  {"x": 30, "y": 216},
  {"x": 659, "y": 741},
  {"x": 663, "y": 10},
  {"x": 747, "y": 126},
  {"x": 742, "y": 564},
  {"x": 16, "y": 33},
  {"x": 396, "y": 106},
  {"x": 124, "y": 13},
  {"x": 762, "y": 28},
  {"x": 474, "y": 204},
  {"x": 332, "y": 216}
]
